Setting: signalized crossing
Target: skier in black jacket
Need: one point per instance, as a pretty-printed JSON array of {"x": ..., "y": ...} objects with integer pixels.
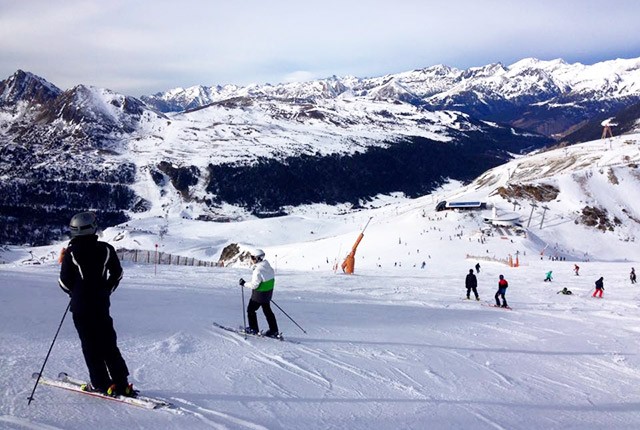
[
  {"x": 471, "y": 282},
  {"x": 90, "y": 272},
  {"x": 599, "y": 287}
]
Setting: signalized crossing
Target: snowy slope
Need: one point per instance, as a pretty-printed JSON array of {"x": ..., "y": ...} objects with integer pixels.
[
  {"x": 386, "y": 348},
  {"x": 600, "y": 174},
  {"x": 392, "y": 346},
  {"x": 265, "y": 129}
]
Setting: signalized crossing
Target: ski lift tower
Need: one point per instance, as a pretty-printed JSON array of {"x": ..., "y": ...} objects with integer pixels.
[
  {"x": 533, "y": 206},
  {"x": 544, "y": 211}
]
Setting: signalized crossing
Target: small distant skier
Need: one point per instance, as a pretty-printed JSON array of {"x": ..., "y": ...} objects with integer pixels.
[
  {"x": 90, "y": 273},
  {"x": 599, "y": 287},
  {"x": 424, "y": 263},
  {"x": 262, "y": 283},
  {"x": 576, "y": 269},
  {"x": 565, "y": 291},
  {"x": 478, "y": 266},
  {"x": 548, "y": 278},
  {"x": 632, "y": 275},
  {"x": 502, "y": 290},
  {"x": 471, "y": 282}
]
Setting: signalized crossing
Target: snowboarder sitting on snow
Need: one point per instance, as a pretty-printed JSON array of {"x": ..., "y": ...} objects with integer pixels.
[
  {"x": 502, "y": 290},
  {"x": 471, "y": 282},
  {"x": 262, "y": 282},
  {"x": 90, "y": 273},
  {"x": 564, "y": 291},
  {"x": 548, "y": 278},
  {"x": 599, "y": 287}
]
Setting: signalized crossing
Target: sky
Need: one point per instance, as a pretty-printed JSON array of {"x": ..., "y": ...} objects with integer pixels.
[{"x": 139, "y": 47}]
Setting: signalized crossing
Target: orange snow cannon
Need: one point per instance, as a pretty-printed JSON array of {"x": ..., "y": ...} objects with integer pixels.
[{"x": 348, "y": 265}]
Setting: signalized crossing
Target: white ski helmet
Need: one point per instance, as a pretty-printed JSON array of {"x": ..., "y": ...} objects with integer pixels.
[
  {"x": 257, "y": 253},
  {"x": 83, "y": 224}
]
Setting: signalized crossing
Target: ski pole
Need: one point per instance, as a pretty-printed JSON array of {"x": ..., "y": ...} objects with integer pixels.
[
  {"x": 244, "y": 318},
  {"x": 48, "y": 353},
  {"x": 288, "y": 316}
]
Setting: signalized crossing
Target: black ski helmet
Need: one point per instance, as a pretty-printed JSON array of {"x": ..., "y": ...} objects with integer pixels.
[{"x": 83, "y": 224}]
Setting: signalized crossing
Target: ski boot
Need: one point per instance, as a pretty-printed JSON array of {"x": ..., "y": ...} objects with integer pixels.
[
  {"x": 249, "y": 330},
  {"x": 125, "y": 390},
  {"x": 271, "y": 333},
  {"x": 88, "y": 387}
]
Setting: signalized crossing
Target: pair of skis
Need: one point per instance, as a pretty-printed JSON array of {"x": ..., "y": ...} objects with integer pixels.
[
  {"x": 67, "y": 382},
  {"x": 496, "y": 306},
  {"x": 491, "y": 305},
  {"x": 243, "y": 332}
]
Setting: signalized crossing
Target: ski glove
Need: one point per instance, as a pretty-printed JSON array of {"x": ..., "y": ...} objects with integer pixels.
[{"x": 241, "y": 282}]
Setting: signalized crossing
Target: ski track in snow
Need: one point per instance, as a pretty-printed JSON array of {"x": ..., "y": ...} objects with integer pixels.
[
  {"x": 23, "y": 423},
  {"x": 488, "y": 421},
  {"x": 289, "y": 367},
  {"x": 367, "y": 375},
  {"x": 201, "y": 413}
]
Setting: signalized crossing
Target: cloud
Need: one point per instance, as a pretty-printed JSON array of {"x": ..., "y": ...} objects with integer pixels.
[
  {"x": 152, "y": 45},
  {"x": 299, "y": 76}
]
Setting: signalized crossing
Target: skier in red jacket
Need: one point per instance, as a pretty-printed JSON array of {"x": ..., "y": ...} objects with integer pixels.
[{"x": 502, "y": 290}]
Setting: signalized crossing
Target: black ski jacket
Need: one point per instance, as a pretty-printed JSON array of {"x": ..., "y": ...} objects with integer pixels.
[
  {"x": 90, "y": 272},
  {"x": 471, "y": 281},
  {"x": 600, "y": 284}
]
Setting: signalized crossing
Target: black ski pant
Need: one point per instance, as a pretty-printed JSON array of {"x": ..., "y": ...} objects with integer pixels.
[
  {"x": 268, "y": 313},
  {"x": 475, "y": 291},
  {"x": 500, "y": 293},
  {"x": 100, "y": 349}
]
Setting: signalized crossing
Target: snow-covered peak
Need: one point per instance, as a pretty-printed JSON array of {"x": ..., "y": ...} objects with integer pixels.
[
  {"x": 529, "y": 63},
  {"x": 484, "y": 71},
  {"x": 26, "y": 87}
]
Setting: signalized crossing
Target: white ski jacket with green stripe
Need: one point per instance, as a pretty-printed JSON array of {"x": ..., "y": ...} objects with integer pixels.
[{"x": 262, "y": 282}]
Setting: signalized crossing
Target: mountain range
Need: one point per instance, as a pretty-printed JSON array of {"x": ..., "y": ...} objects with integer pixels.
[
  {"x": 547, "y": 97},
  {"x": 227, "y": 152}
]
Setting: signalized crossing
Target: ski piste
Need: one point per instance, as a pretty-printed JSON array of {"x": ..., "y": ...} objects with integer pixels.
[
  {"x": 69, "y": 383},
  {"x": 243, "y": 332}
]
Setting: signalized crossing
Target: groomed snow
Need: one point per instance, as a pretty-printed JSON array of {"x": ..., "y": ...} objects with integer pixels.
[{"x": 388, "y": 349}]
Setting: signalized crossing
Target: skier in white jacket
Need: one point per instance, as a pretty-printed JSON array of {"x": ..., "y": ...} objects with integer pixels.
[{"x": 262, "y": 283}]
